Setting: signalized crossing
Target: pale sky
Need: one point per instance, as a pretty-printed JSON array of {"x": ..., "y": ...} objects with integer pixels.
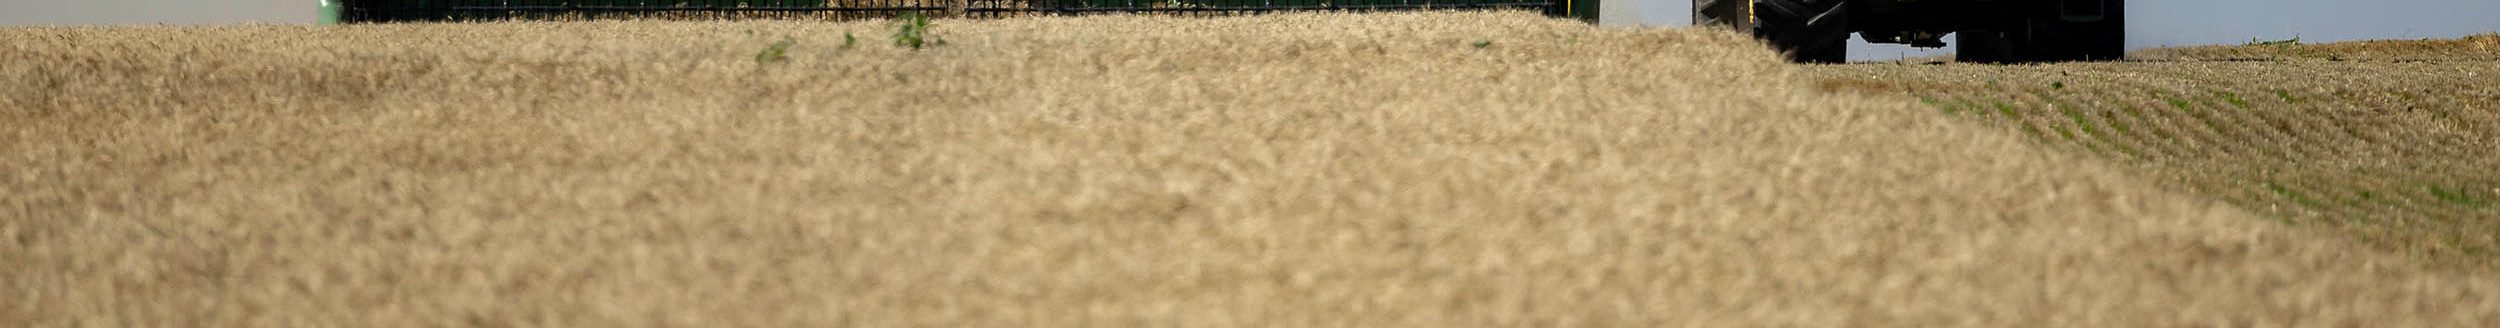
[
  {"x": 2151, "y": 23},
  {"x": 126, "y": 12}
]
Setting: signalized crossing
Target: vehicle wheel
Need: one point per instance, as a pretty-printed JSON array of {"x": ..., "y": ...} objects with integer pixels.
[
  {"x": 2105, "y": 39},
  {"x": 1985, "y": 47},
  {"x": 2051, "y": 36},
  {"x": 2055, "y": 37},
  {"x": 1807, "y": 31}
]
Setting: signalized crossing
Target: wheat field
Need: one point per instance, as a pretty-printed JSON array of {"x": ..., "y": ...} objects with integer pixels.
[
  {"x": 1442, "y": 169},
  {"x": 2395, "y": 142}
]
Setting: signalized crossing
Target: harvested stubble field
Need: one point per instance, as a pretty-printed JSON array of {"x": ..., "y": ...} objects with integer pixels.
[
  {"x": 1302, "y": 170},
  {"x": 2396, "y": 143}
]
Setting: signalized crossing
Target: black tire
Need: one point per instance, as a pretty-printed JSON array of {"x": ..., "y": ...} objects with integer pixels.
[
  {"x": 1806, "y": 31},
  {"x": 1809, "y": 31},
  {"x": 1985, "y": 47},
  {"x": 2105, "y": 39},
  {"x": 2051, "y": 37}
]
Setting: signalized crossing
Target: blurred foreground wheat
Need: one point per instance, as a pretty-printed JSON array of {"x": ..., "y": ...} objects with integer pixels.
[{"x": 1287, "y": 170}]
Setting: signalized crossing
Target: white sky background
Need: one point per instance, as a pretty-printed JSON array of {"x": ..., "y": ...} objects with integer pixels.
[
  {"x": 2151, "y": 23},
  {"x": 128, "y": 12}
]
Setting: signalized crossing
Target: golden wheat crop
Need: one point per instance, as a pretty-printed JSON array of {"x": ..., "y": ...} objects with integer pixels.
[
  {"x": 2396, "y": 143},
  {"x": 1288, "y": 170}
]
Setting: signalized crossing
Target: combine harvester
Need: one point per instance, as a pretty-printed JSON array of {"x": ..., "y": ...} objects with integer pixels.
[
  {"x": 384, "y": 11},
  {"x": 1989, "y": 31}
]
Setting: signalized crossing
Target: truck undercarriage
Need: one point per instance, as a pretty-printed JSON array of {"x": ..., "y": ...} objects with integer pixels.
[{"x": 1994, "y": 31}]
